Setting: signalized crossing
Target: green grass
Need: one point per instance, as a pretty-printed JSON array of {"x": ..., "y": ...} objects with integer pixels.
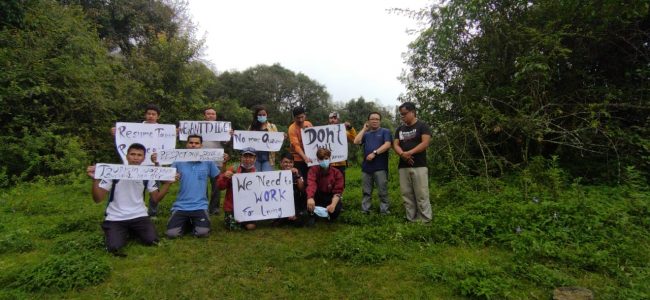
[{"x": 485, "y": 242}]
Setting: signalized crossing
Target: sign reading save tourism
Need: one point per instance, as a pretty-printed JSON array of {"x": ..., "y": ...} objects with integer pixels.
[
  {"x": 154, "y": 137},
  {"x": 263, "y": 195},
  {"x": 208, "y": 130},
  {"x": 331, "y": 137},
  {"x": 133, "y": 172},
  {"x": 259, "y": 140},
  {"x": 170, "y": 156}
]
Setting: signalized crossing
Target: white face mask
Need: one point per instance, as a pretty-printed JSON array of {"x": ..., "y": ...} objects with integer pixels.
[
  {"x": 261, "y": 119},
  {"x": 247, "y": 166}
]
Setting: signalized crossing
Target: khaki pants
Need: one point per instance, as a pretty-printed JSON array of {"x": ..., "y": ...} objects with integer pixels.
[{"x": 414, "y": 186}]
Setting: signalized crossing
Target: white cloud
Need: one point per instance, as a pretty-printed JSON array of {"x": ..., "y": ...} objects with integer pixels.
[{"x": 352, "y": 47}]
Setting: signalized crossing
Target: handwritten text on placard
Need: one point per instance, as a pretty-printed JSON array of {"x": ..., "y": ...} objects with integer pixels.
[
  {"x": 259, "y": 140},
  {"x": 154, "y": 137},
  {"x": 263, "y": 195},
  {"x": 331, "y": 137},
  {"x": 170, "y": 156},
  {"x": 208, "y": 130},
  {"x": 133, "y": 172}
]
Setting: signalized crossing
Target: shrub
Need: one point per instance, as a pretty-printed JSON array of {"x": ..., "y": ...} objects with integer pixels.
[
  {"x": 15, "y": 242},
  {"x": 63, "y": 273}
]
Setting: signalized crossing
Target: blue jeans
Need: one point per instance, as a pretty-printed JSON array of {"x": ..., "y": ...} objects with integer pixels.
[{"x": 263, "y": 166}]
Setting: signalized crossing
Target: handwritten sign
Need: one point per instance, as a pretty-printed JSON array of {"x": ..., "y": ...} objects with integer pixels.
[
  {"x": 208, "y": 130},
  {"x": 259, "y": 140},
  {"x": 331, "y": 137},
  {"x": 170, "y": 156},
  {"x": 154, "y": 137},
  {"x": 263, "y": 195},
  {"x": 134, "y": 172}
]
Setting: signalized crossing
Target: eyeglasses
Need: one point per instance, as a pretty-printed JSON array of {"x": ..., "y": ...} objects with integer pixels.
[
  {"x": 404, "y": 113},
  {"x": 374, "y": 119}
]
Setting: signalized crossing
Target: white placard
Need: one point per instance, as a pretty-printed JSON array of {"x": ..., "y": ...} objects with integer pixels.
[
  {"x": 208, "y": 130},
  {"x": 133, "y": 172},
  {"x": 263, "y": 195},
  {"x": 154, "y": 137},
  {"x": 259, "y": 140},
  {"x": 332, "y": 137},
  {"x": 166, "y": 157}
]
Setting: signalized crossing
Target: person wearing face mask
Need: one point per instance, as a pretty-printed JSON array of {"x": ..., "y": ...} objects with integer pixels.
[
  {"x": 325, "y": 185},
  {"x": 265, "y": 160},
  {"x": 224, "y": 182}
]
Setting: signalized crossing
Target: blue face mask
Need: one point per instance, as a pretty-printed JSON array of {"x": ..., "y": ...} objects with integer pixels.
[
  {"x": 321, "y": 211},
  {"x": 325, "y": 163},
  {"x": 261, "y": 119}
]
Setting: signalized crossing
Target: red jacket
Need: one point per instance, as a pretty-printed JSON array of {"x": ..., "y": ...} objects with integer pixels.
[
  {"x": 328, "y": 183},
  {"x": 226, "y": 183}
]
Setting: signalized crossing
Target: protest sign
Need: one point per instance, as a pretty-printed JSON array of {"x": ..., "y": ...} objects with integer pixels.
[
  {"x": 154, "y": 137},
  {"x": 208, "y": 130},
  {"x": 169, "y": 156},
  {"x": 134, "y": 172},
  {"x": 258, "y": 140},
  {"x": 263, "y": 195},
  {"x": 331, "y": 137}
]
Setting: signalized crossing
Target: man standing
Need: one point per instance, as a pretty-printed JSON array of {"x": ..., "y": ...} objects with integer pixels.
[
  {"x": 410, "y": 143},
  {"x": 125, "y": 211},
  {"x": 209, "y": 114},
  {"x": 190, "y": 210},
  {"x": 376, "y": 142},
  {"x": 295, "y": 140},
  {"x": 350, "y": 132}
]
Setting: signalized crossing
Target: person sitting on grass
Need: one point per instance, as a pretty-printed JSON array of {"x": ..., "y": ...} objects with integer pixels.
[
  {"x": 224, "y": 181},
  {"x": 299, "y": 201},
  {"x": 125, "y": 211},
  {"x": 325, "y": 185}
]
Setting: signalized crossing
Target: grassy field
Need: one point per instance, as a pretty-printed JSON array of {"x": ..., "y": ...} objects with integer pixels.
[{"x": 496, "y": 241}]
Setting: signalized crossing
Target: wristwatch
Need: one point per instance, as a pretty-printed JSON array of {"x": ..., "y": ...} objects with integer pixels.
[{"x": 375, "y": 152}]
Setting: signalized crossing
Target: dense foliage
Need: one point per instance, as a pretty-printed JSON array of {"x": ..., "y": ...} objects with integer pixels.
[
  {"x": 73, "y": 68},
  {"x": 503, "y": 81}
]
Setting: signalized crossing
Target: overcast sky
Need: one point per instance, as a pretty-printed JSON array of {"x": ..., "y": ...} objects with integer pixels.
[{"x": 352, "y": 47}]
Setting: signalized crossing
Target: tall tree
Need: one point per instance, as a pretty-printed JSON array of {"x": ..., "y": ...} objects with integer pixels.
[{"x": 502, "y": 81}]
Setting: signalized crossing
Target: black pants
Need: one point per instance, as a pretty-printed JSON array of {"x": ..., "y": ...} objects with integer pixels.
[
  {"x": 117, "y": 232},
  {"x": 323, "y": 199},
  {"x": 215, "y": 197}
]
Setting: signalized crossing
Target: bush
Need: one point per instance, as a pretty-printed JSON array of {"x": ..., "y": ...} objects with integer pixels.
[
  {"x": 81, "y": 242},
  {"x": 16, "y": 242},
  {"x": 64, "y": 273}
]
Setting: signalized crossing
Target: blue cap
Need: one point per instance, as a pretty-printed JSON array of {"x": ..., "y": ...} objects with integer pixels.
[{"x": 248, "y": 150}]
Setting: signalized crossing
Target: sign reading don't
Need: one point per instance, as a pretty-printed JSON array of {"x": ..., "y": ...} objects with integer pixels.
[{"x": 332, "y": 137}]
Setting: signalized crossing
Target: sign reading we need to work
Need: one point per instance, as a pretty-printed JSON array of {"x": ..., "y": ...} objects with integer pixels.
[
  {"x": 154, "y": 137},
  {"x": 169, "y": 156},
  {"x": 133, "y": 172},
  {"x": 258, "y": 140},
  {"x": 332, "y": 137},
  {"x": 208, "y": 130},
  {"x": 263, "y": 195}
]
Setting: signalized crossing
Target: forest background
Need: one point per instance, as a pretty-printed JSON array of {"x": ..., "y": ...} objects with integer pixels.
[{"x": 539, "y": 112}]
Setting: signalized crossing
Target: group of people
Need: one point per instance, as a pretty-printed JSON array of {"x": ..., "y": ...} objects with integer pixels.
[{"x": 319, "y": 187}]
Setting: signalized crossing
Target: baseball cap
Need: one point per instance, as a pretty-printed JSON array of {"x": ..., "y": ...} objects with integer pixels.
[
  {"x": 334, "y": 115},
  {"x": 248, "y": 150}
]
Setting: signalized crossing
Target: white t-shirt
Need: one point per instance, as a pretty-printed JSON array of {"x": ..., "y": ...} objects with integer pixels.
[{"x": 128, "y": 201}]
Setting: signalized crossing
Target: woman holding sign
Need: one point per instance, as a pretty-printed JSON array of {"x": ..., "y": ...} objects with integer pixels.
[
  {"x": 325, "y": 185},
  {"x": 265, "y": 159}
]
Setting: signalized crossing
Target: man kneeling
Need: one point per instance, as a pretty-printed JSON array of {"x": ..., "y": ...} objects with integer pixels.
[
  {"x": 126, "y": 211},
  {"x": 190, "y": 210}
]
